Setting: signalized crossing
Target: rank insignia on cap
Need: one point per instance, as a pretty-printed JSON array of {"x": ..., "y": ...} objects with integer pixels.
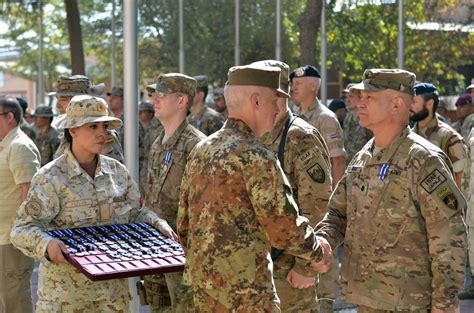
[{"x": 299, "y": 72}]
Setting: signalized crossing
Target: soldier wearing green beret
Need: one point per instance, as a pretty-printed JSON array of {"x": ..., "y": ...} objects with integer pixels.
[
  {"x": 397, "y": 209},
  {"x": 236, "y": 203},
  {"x": 47, "y": 141},
  {"x": 304, "y": 158},
  {"x": 202, "y": 117},
  {"x": 172, "y": 96}
]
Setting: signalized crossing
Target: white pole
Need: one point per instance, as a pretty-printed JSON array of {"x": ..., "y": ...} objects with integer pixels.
[
  {"x": 400, "y": 34},
  {"x": 130, "y": 64},
  {"x": 113, "y": 76},
  {"x": 278, "y": 31},
  {"x": 40, "y": 99},
  {"x": 237, "y": 33},
  {"x": 181, "y": 38},
  {"x": 324, "y": 76}
]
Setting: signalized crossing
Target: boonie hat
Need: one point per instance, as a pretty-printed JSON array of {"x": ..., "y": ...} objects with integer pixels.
[
  {"x": 116, "y": 91},
  {"x": 382, "y": 79},
  {"x": 285, "y": 69},
  {"x": 256, "y": 75},
  {"x": 43, "y": 111},
  {"x": 305, "y": 71},
  {"x": 424, "y": 88},
  {"x": 174, "y": 82},
  {"x": 76, "y": 85},
  {"x": 146, "y": 106},
  {"x": 85, "y": 109}
]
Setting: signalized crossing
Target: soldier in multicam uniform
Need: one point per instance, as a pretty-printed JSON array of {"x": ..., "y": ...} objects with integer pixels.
[
  {"x": 203, "y": 117},
  {"x": 306, "y": 81},
  {"x": 172, "y": 96},
  {"x": 236, "y": 202},
  {"x": 219, "y": 102},
  {"x": 465, "y": 113},
  {"x": 68, "y": 87},
  {"x": 397, "y": 209},
  {"x": 79, "y": 189},
  {"x": 47, "y": 141},
  {"x": 304, "y": 158},
  {"x": 422, "y": 111},
  {"x": 355, "y": 136},
  {"x": 468, "y": 293}
]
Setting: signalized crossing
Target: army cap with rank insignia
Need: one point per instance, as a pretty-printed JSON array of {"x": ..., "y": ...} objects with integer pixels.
[
  {"x": 174, "y": 82},
  {"x": 382, "y": 79},
  {"x": 305, "y": 71},
  {"x": 85, "y": 109},
  {"x": 76, "y": 85},
  {"x": 285, "y": 70},
  {"x": 256, "y": 75},
  {"x": 201, "y": 81}
]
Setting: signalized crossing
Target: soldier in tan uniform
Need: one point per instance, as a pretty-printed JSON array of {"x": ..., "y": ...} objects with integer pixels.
[
  {"x": 79, "y": 189},
  {"x": 422, "y": 111},
  {"x": 468, "y": 293},
  {"x": 465, "y": 113},
  {"x": 47, "y": 140},
  {"x": 68, "y": 87},
  {"x": 172, "y": 96},
  {"x": 397, "y": 209},
  {"x": 203, "y": 117},
  {"x": 236, "y": 202},
  {"x": 305, "y": 83},
  {"x": 304, "y": 158}
]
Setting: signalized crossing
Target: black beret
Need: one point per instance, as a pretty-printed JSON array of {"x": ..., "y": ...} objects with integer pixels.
[
  {"x": 337, "y": 104},
  {"x": 304, "y": 71}
]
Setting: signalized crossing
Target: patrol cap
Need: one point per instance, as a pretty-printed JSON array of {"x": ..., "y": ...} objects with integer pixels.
[
  {"x": 256, "y": 75},
  {"x": 424, "y": 88},
  {"x": 145, "y": 106},
  {"x": 174, "y": 82},
  {"x": 285, "y": 70},
  {"x": 464, "y": 100},
  {"x": 382, "y": 79},
  {"x": 201, "y": 81},
  {"x": 43, "y": 111},
  {"x": 337, "y": 104},
  {"x": 116, "y": 91},
  {"x": 85, "y": 109},
  {"x": 305, "y": 71},
  {"x": 76, "y": 85}
]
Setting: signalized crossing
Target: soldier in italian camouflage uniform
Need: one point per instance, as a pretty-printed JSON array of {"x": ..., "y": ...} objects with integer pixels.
[
  {"x": 172, "y": 96},
  {"x": 422, "y": 111},
  {"x": 68, "y": 87},
  {"x": 305, "y": 161},
  {"x": 219, "y": 102},
  {"x": 47, "y": 141},
  {"x": 236, "y": 202},
  {"x": 397, "y": 209},
  {"x": 79, "y": 189},
  {"x": 355, "y": 136},
  {"x": 203, "y": 117}
]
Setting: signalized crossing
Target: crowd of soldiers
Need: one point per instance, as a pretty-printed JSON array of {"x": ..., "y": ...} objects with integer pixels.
[{"x": 267, "y": 189}]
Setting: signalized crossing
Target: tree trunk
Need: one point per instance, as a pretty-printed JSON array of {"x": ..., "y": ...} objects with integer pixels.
[
  {"x": 75, "y": 37},
  {"x": 309, "y": 23}
]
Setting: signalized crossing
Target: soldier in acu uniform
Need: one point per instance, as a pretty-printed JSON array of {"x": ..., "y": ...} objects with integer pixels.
[
  {"x": 47, "y": 141},
  {"x": 236, "y": 202},
  {"x": 397, "y": 209},
  {"x": 304, "y": 158},
  {"x": 81, "y": 188},
  {"x": 203, "y": 117},
  {"x": 172, "y": 96}
]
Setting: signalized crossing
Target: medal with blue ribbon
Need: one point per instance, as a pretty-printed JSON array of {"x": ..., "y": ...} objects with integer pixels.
[
  {"x": 167, "y": 157},
  {"x": 383, "y": 170}
]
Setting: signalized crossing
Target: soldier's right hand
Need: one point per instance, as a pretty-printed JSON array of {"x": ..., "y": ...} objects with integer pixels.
[
  {"x": 56, "y": 250},
  {"x": 323, "y": 265}
]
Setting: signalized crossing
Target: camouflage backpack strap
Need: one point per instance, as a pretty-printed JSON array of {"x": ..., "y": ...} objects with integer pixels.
[{"x": 275, "y": 253}]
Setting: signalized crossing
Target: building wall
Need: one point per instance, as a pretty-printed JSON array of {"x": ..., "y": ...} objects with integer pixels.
[{"x": 17, "y": 87}]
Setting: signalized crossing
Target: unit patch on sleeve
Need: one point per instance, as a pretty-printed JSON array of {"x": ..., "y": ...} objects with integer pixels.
[
  {"x": 433, "y": 181},
  {"x": 316, "y": 173}
]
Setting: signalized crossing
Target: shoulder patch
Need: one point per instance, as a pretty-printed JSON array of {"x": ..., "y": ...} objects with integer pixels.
[
  {"x": 447, "y": 196},
  {"x": 433, "y": 181},
  {"x": 316, "y": 173},
  {"x": 33, "y": 207}
]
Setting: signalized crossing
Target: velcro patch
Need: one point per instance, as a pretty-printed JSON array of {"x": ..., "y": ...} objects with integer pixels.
[
  {"x": 447, "y": 196},
  {"x": 33, "y": 207},
  {"x": 316, "y": 173},
  {"x": 433, "y": 181}
]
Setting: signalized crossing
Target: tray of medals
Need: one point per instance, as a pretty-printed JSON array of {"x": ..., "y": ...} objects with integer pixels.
[{"x": 122, "y": 250}]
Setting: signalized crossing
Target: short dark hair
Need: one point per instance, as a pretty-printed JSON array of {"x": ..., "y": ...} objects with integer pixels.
[
  {"x": 68, "y": 136},
  {"x": 203, "y": 89},
  {"x": 10, "y": 104},
  {"x": 432, "y": 96}
]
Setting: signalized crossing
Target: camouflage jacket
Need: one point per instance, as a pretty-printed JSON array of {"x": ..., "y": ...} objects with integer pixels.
[
  {"x": 465, "y": 127},
  {"x": 308, "y": 169},
  {"x": 355, "y": 136},
  {"x": 62, "y": 195},
  {"x": 399, "y": 214},
  {"x": 207, "y": 121},
  {"x": 150, "y": 135},
  {"x": 235, "y": 203},
  {"x": 47, "y": 144},
  {"x": 165, "y": 170},
  {"x": 470, "y": 209},
  {"x": 327, "y": 124}
]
